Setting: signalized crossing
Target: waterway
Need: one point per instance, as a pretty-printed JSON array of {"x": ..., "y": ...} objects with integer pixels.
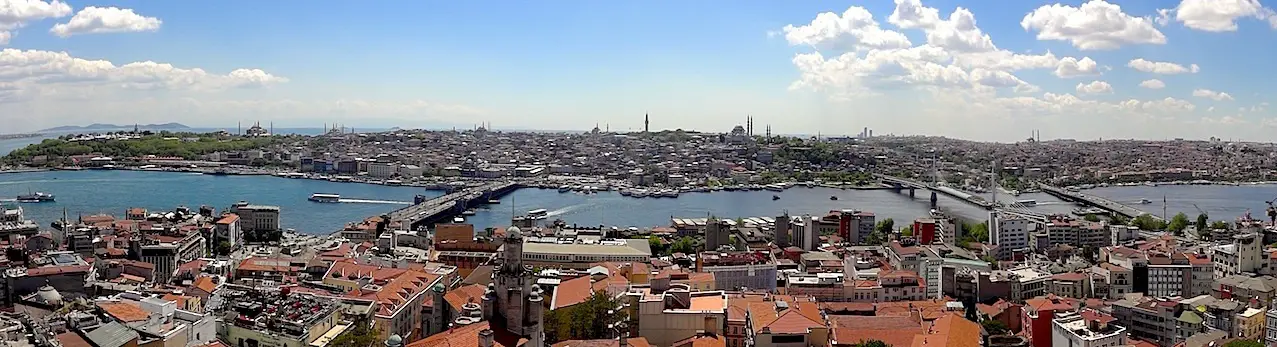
[{"x": 91, "y": 192}]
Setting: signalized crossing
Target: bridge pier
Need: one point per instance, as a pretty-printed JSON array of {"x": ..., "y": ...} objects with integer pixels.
[
  {"x": 911, "y": 190},
  {"x": 934, "y": 199},
  {"x": 896, "y": 186}
]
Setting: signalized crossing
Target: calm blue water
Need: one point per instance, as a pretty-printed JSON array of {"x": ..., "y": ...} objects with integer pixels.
[{"x": 90, "y": 192}]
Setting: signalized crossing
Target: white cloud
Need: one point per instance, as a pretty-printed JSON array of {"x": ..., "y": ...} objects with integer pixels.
[
  {"x": 1163, "y": 16},
  {"x": 1210, "y": 94},
  {"x": 1158, "y": 67},
  {"x": 1095, "y": 25},
  {"x": 15, "y": 14},
  {"x": 854, "y": 29},
  {"x": 30, "y": 69},
  {"x": 1226, "y": 120},
  {"x": 98, "y": 20},
  {"x": 1221, "y": 15},
  {"x": 1095, "y": 87},
  {"x": 1070, "y": 67},
  {"x": 1153, "y": 84}
]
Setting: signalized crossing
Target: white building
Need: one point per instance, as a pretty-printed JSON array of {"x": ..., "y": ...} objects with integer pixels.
[
  {"x": 1010, "y": 234},
  {"x": 382, "y": 170},
  {"x": 1087, "y": 328},
  {"x": 1245, "y": 254},
  {"x": 804, "y": 233},
  {"x": 1270, "y": 333},
  {"x": 256, "y": 218}
]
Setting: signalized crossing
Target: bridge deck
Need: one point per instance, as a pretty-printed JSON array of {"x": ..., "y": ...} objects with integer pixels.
[
  {"x": 443, "y": 203},
  {"x": 1097, "y": 201}
]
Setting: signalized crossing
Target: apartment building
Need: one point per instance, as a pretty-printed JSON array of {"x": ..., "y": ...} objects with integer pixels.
[
  {"x": 1159, "y": 320},
  {"x": 1243, "y": 255},
  {"x": 1087, "y": 328},
  {"x": 1011, "y": 234},
  {"x": 736, "y": 270}
]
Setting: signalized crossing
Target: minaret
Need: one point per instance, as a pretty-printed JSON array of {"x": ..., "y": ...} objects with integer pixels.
[{"x": 647, "y": 123}]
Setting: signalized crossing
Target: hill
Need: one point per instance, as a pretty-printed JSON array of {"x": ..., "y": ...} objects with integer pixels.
[{"x": 100, "y": 126}]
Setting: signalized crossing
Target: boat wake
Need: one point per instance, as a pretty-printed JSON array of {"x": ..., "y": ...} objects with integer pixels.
[
  {"x": 364, "y": 201},
  {"x": 561, "y": 211}
]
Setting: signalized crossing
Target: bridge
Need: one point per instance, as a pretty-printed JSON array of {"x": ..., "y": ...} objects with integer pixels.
[
  {"x": 901, "y": 184},
  {"x": 1095, "y": 201},
  {"x": 448, "y": 205}
]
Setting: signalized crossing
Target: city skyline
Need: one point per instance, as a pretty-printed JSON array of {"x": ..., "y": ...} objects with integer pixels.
[{"x": 972, "y": 70}]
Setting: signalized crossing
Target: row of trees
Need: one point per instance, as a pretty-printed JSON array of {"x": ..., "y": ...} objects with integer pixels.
[{"x": 588, "y": 320}]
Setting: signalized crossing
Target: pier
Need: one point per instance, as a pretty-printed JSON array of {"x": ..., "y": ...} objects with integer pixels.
[
  {"x": 1095, "y": 201},
  {"x": 449, "y": 205},
  {"x": 902, "y": 184}
]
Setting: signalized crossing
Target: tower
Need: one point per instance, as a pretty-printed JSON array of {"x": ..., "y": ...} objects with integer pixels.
[
  {"x": 769, "y": 131},
  {"x": 513, "y": 300},
  {"x": 647, "y": 123},
  {"x": 749, "y": 125}
]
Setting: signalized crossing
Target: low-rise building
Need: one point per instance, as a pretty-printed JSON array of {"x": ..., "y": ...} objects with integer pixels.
[
  {"x": 279, "y": 318},
  {"x": 1088, "y": 328}
]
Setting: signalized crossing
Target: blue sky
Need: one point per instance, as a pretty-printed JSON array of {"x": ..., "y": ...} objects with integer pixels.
[{"x": 690, "y": 64}]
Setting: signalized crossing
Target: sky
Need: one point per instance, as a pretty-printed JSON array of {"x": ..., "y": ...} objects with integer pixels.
[{"x": 979, "y": 70}]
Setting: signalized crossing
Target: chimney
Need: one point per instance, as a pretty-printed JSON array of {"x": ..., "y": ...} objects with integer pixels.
[{"x": 485, "y": 338}]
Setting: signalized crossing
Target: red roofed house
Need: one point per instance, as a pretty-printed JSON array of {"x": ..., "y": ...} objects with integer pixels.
[
  {"x": 1038, "y": 313},
  {"x": 398, "y": 302}
]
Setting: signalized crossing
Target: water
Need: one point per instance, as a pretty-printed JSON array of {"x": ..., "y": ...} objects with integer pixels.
[{"x": 90, "y": 192}]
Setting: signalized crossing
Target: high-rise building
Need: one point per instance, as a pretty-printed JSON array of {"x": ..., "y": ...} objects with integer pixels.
[{"x": 781, "y": 230}]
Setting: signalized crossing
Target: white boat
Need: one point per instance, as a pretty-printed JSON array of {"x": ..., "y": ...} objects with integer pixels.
[
  {"x": 1145, "y": 201},
  {"x": 393, "y": 182},
  {"x": 328, "y": 198},
  {"x": 1027, "y": 202},
  {"x": 539, "y": 213},
  {"x": 458, "y": 220}
]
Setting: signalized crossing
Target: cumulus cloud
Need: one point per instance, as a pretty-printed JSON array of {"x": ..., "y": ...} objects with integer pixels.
[
  {"x": 1153, "y": 84},
  {"x": 1095, "y": 87},
  {"x": 1221, "y": 15},
  {"x": 1211, "y": 94},
  {"x": 854, "y": 29},
  {"x": 1163, "y": 68},
  {"x": 15, "y": 14},
  {"x": 1070, "y": 67},
  {"x": 99, "y": 20},
  {"x": 1095, "y": 25},
  {"x": 31, "y": 69}
]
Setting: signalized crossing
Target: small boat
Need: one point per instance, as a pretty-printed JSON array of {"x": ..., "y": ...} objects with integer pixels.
[
  {"x": 494, "y": 201},
  {"x": 326, "y": 198},
  {"x": 774, "y": 198},
  {"x": 393, "y": 182},
  {"x": 1145, "y": 201},
  {"x": 458, "y": 220},
  {"x": 36, "y": 197},
  {"x": 469, "y": 212},
  {"x": 565, "y": 189},
  {"x": 833, "y": 197}
]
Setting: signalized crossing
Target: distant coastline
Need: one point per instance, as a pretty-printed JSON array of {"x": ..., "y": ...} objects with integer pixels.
[{"x": 100, "y": 126}]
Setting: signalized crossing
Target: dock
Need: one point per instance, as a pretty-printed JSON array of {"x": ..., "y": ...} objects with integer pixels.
[
  {"x": 449, "y": 205},
  {"x": 1095, "y": 201}
]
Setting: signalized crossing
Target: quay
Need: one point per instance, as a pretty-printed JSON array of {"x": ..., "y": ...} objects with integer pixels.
[
  {"x": 1095, "y": 201},
  {"x": 901, "y": 184},
  {"x": 426, "y": 212}
]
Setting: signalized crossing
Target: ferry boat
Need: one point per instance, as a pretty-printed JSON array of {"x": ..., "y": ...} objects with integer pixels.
[
  {"x": 469, "y": 212},
  {"x": 321, "y": 197},
  {"x": 1145, "y": 201},
  {"x": 833, "y": 197},
  {"x": 774, "y": 187},
  {"x": 1027, "y": 202},
  {"x": 539, "y": 213},
  {"x": 393, "y": 182},
  {"x": 35, "y": 197},
  {"x": 458, "y": 220}
]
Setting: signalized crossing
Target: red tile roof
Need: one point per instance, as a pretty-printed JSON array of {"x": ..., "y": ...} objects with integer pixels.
[
  {"x": 571, "y": 292},
  {"x": 124, "y": 311},
  {"x": 463, "y": 295},
  {"x": 205, "y": 283},
  {"x": 468, "y": 336},
  {"x": 634, "y": 341},
  {"x": 53, "y": 270},
  {"x": 228, "y": 218},
  {"x": 72, "y": 339},
  {"x": 950, "y": 331},
  {"x": 894, "y": 330}
]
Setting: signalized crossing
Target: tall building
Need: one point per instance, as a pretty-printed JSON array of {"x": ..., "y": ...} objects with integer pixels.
[
  {"x": 647, "y": 123},
  {"x": 717, "y": 234},
  {"x": 1243, "y": 255},
  {"x": 781, "y": 230},
  {"x": 804, "y": 233},
  {"x": 256, "y": 218},
  {"x": 513, "y": 301},
  {"x": 1011, "y": 234}
]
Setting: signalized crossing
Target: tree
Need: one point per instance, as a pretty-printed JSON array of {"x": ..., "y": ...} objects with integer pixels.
[
  {"x": 1091, "y": 218},
  {"x": 907, "y": 231},
  {"x": 875, "y": 238},
  {"x": 1202, "y": 222},
  {"x": 224, "y": 248},
  {"x": 994, "y": 327},
  {"x": 1219, "y": 224},
  {"x": 1178, "y": 223},
  {"x": 363, "y": 335},
  {"x": 588, "y": 320},
  {"x": 870, "y": 343},
  {"x": 1243, "y": 343},
  {"x": 1147, "y": 222},
  {"x": 685, "y": 245},
  {"x": 658, "y": 246},
  {"x": 886, "y": 226}
]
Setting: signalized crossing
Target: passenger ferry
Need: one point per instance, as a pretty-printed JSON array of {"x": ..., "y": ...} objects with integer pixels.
[
  {"x": 539, "y": 213},
  {"x": 320, "y": 197},
  {"x": 35, "y": 197},
  {"x": 394, "y": 182},
  {"x": 1027, "y": 202}
]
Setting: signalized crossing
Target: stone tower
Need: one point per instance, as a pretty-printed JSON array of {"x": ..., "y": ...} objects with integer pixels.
[{"x": 513, "y": 301}]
